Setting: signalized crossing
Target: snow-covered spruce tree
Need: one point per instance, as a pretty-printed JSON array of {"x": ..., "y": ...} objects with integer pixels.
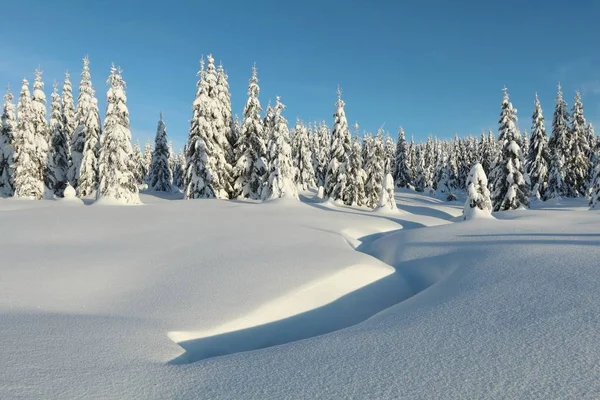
[
  {"x": 538, "y": 157},
  {"x": 341, "y": 143},
  {"x": 305, "y": 175},
  {"x": 8, "y": 130},
  {"x": 478, "y": 200},
  {"x": 137, "y": 164},
  {"x": 403, "y": 167},
  {"x": 148, "y": 151},
  {"x": 208, "y": 174},
  {"x": 429, "y": 155},
  {"x": 390, "y": 151},
  {"x": 375, "y": 170},
  {"x": 593, "y": 154},
  {"x": 58, "y": 157},
  {"x": 387, "y": 202},
  {"x": 280, "y": 176},
  {"x": 81, "y": 134},
  {"x": 412, "y": 160},
  {"x": 179, "y": 170},
  {"x": 30, "y": 155},
  {"x": 315, "y": 145},
  {"x": 161, "y": 175},
  {"x": 421, "y": 170},
  {"x": 227, "y": 129},
  {"x": 117, "y": 183},
  {"x": 559, "y": 145},
  {"x": 367, "y": 143},
  {"x": 446, "y": 183},
  {"x": 511, "y": 184},
  {"x": 577, "y": 167},
  {"x": 68, "y": 111},
  {"x": 251, "y": 167},
  {"x": 322, "y": 155},
  {"x": 88, "y": 172},
  {"x": 354, "y": 192},
  {"x": 40, "y": 124}
]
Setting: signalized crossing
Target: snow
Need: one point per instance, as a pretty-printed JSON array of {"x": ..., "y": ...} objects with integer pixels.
[{"x": 291, "y": 299}]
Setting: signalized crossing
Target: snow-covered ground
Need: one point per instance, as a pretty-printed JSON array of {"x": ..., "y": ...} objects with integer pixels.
[{"x": 229, "y": 300}]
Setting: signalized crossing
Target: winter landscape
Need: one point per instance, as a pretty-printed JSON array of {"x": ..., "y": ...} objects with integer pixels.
[{"x": 261, "y": 255}]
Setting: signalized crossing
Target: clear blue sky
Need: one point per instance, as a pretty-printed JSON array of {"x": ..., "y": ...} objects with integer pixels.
[{"x": 431, "y": 66}]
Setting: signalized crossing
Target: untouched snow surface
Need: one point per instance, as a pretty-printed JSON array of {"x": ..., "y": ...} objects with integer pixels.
[{"x": 163, "y": 300}]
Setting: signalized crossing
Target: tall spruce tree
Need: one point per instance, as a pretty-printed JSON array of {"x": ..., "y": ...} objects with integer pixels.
[
  {"x": 148, "y": 150},
  {"x": 117, "y": 183},
  {"x": 161, "y": 175},
  {"x": 559, "y": 145},
  {"x": 322, "y": 156},
  {"x": 88, "y": 172},
  {"x": 29, "y": 161},
  {"x": 40, "y": 124},
  {"x": 68, "y": 111},
  {"x": 81, "y": 135},
  {"x": 58, "y": 157},
  {"x": 305, "y": 175},
  {"x": 354, "y": 194},
  {"x": 510, "y": 181},
  {"x": 335, "y": 178},
  {"x": 224, "y": 105},
  {"x": 208, "y": 172},
  {"x": 403, "y": 177},
  {"x": 279, "y": 182},
  {"x": 251, "y": 166},
  {"x": 577, "y": 167},
  {"x": 8, "y": 130},
  {"x": 538, "y": 156},
  {"x": 375, "y": 170}
]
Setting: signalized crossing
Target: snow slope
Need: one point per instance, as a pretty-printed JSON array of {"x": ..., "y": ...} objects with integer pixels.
[{"x": 136, "y": 302}]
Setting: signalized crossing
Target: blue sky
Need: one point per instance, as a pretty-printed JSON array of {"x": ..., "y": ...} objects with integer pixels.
[{"x": 431, "y": 66}]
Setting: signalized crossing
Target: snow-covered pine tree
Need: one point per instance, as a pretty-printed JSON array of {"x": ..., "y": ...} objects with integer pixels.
[
  {"x": 88, "y": 172},
  {"x": 148, "y": 151},
  {"x": 478, "y": 201},
  {"x": 280, "y": 176},
  {"x": 511, "y": 184},
  {"x": 160, "y": 173},
  {"x": 367, "y": 143},
  {"x": 208, "y": 173},
  {"x": 227, "y": 129},
  {"x": 390, "y": 151},
  {"x": 137, "y": 164},
  {"x": 251, "y": 168},
  {"x": 412, "y": 160},
  {"x": 315, "y": 145},
  {"x": 421, "y": 170},
  {"x": 323, "y": 154},
  {"x": 68, "y": 111},
  {"x": 593, "y": 154},
  {"x": 117, "y": 182},
  {"x": 429, "y": 155},
  {"x": 559, "y": 145},
  {"x": 354, "y": 193},
  {"x": 58, "y": 157},
  {"x": 40, "y": 124},
  {"x": 179, "y": 170},
  {"x": 538, "y": 157},
  {"x": 341, "y": 143},
  {"x": 577, "y": 167},
  {"x": 387, "y": 202},
  {"x": 403, "y": 167},
  {"x": 305, "y": 175},
  {"x": 8, "y": 131},
  {"x": 81, "y": 134},
  {"x": 29, "y": 159},
  {"x": 375, "y": 170},
  {"x": 446, "y": 183}
]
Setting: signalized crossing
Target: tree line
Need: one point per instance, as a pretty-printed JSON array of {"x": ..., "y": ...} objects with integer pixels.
[{"x": 260, "y": 158}]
